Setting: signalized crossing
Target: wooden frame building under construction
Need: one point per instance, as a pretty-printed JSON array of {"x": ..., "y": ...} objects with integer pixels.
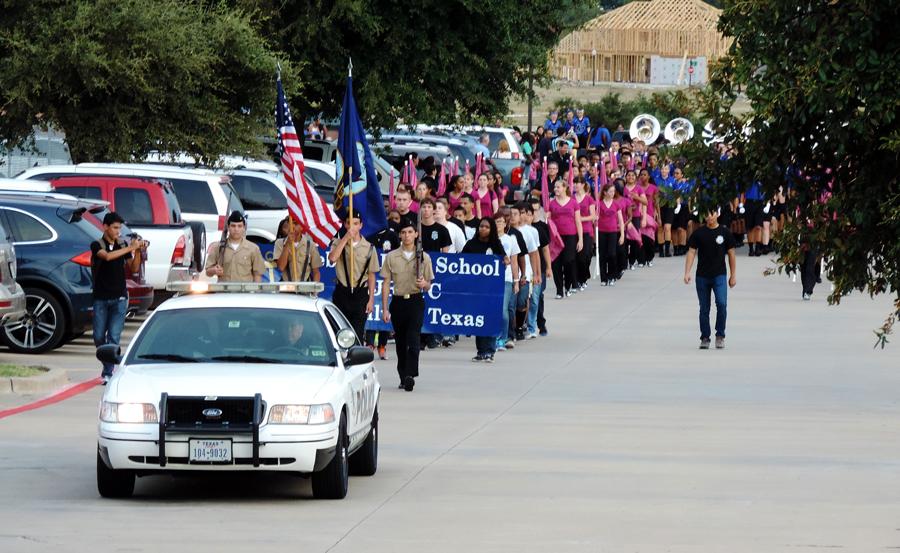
[{"x": 630, "y": 40}]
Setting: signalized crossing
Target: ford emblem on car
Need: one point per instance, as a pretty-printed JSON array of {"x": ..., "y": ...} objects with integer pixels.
[{"x": 212, "y": 413}]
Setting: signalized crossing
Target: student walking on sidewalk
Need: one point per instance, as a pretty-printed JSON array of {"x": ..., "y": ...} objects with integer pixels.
[{"x": 710, "y": 244}]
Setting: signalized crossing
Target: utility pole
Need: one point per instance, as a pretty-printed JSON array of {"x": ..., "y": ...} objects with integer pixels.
[{"x": 594, "y": 67}]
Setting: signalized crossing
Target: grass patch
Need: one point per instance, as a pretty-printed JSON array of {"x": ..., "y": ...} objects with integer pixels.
[{"x": 8, "y": 370}]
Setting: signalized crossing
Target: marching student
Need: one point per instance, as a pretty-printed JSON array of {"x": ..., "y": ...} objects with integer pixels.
[
  {"x": 308, "y": 261},
  {"x": 487, "y": 242},
  {"x": 637, "y": 218},
  {"x": 611, "y": 233},
  {"x": 539, "y": 222},
  {"x": 651, "y": 216},
  {"x": 565, "y": 215},
  {"x": 666, "y": 186},
  {"x": 410, "y": 277},
  {"x": 354, "y": 294},
  {"x": 588, "y": 210},
  {"x": 486, "y": 202},
  {"x": 457, "y": 236},
  {"x": 237, "y": 259}
]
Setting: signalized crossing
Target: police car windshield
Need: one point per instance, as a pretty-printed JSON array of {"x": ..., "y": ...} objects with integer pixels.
[{"x": 234, "y": 335}]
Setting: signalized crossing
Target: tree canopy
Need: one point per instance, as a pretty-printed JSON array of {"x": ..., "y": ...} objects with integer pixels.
[
  {"x": 821, "y": 81},
  {"x": 123, "y": 77}
]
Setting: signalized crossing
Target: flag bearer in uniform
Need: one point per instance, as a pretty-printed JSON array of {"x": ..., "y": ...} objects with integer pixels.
[
  {"x": 307, "y": 260},
  {"x": 354, "y": 289},
  {"x": 411, "y": 274}
]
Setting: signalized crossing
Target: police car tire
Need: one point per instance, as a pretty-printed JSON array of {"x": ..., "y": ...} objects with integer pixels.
[
  {"x": 113, "y": 483},
  {"x": 364, "y": 462},
  {"x": 332, "y": 481}
]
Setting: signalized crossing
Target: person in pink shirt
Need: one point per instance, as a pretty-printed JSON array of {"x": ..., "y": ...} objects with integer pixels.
[
  {"x": 588, "y": 211},
  {"x": 610, "y": 234},
  {"x": 566, "y": 216},
  {"x": 648, "y": 230},
  {"x": 486, "y": 203},
  {"x": 636, "y": 219},
  {"x": 457, "y": 189}
]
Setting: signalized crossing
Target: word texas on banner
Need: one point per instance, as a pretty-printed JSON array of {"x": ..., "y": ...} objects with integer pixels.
[{"x": 466, "y": 296}]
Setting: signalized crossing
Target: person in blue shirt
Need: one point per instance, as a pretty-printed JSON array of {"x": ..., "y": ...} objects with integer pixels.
[
  {"x": 570, "y": 121},
  {"x": 682, "y": 189},
  {"x": 582, "y": 126},
  {"x": 600, "y": 139},
  {"x": 553, "y": 124},
  {"x": 666, "y": 185},
  {"x": 755, "y": 215}
]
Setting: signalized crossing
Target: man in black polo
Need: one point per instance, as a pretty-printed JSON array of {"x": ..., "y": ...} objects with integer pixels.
[
  {"x": 710, "y": 244},
  {"x": 111, "y": 261}
]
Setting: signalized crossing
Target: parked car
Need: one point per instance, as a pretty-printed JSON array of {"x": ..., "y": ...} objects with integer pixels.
[
  {"x": 150, "y": 208},
  {"x": 12, "y": 296},
  {"x": 52, "y": 234},
  {"x": 326, "y": 152},
  {"x": 396, "y": 153},
  {"x": 203, "y": 195},
  {"x": 459, "y": 146}
]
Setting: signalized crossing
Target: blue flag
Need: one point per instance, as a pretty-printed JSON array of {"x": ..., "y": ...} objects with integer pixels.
[{"x": 353, "y": 152}]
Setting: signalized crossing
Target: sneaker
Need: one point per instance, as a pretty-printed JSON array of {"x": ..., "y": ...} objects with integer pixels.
[
  {"x": 520, "y": 335},
  {"x": 489, "y": 358},
  {"x": 478, "y": 358},
  {"x": 612, "y": 282},
  {"x": 530, "y": 336},
  {"x": 510, "y": 344},
  {"x": 649, "y": 263},
  {"x": 559, "y": 296},
  {"x": 569, "y": 293},
  {"x": 640, "y": 265},
  {"x": 806, "y": 297},
  {"x": 382, "y": 352},
  {"x": 501, "y": 348},
  {"x": 604, "y": 283},
  {"x": 104, "y": 379},
  {"x": 720, "y": 342},
  {"x": 409, "y": 383},
  {"x": 543, "y": 332},
  {"x": 632, "y": 267},
  {"x": 704, "y": 343}
]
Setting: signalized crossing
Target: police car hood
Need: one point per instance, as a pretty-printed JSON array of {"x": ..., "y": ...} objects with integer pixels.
[{"x": 276, "y": 383}]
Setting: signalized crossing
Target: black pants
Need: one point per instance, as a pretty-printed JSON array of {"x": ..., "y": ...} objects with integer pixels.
[
  {"x": 609, "y": 267},
  {"x": 564, "y": 272},
  {"x": 584, "y": 257},
  {"x": 406, "y": 317},
  {"x": 541, "y": 321},
  {"x": 809, "y": 271},
  {"x": 353, "y": 306},
  {"x": 649, "y": 247}
]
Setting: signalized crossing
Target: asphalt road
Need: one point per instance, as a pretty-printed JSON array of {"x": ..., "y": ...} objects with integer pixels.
[{"x": 613, "y": 434}]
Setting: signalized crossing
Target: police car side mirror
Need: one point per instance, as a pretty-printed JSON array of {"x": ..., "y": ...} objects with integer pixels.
[
  {"x": 359, "y": 355},
  {"x": 109, "y": 353}
]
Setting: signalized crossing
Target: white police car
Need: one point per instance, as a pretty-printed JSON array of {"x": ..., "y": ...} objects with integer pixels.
[{"x": 255, "y": 379}]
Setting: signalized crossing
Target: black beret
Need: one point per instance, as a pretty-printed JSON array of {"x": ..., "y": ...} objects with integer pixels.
[{"x": 236, "y": 217}]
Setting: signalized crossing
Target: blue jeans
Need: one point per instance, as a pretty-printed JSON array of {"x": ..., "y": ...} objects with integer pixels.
[
  {"x": 519, "y": 303},
  {"x": 109, "y": 319},
  {"x": 485, "y": 345},
  {"x": 719, "y": 287},
  {"x": 508, "y": 308},
  {"x": 536, "y": 291}
]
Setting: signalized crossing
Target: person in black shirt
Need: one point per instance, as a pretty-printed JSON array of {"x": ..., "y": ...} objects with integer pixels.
[
  {"x": 386, "y": 241},
  {"x": 543, "y": 229},
  {"x": 111, "y": 261},
  {"x": 486, "y": 242},
  {"x": 435, "y": 236},
  {"x": 710, "y": 244}
]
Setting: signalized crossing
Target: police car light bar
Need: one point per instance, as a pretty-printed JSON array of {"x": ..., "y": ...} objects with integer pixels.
[{"x": 202, "y": 287}]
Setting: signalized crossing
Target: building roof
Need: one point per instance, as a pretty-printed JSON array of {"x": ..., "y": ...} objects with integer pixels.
[{"x": 647, "y": 15}]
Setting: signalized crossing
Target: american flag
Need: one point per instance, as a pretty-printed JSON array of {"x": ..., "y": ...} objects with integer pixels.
[{"x": 304, "y": 205}]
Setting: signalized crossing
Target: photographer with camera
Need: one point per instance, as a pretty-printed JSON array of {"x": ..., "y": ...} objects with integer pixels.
[{"x": 110, "y": 257}]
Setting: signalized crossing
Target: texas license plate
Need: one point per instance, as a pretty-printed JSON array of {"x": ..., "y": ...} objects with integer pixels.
[{"x": 209, "y": 451}]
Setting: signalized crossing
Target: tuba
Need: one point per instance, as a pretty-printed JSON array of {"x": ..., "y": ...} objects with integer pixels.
[
  {"x": 644, "y": 127},
  {"x": 679, "y": 130}
]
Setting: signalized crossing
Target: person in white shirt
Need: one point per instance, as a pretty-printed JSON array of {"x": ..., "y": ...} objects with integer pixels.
[
  {"x": 456, "y": 234},
  {"x": 511, "y": 246},
  {"x": 530, "y": 279}
]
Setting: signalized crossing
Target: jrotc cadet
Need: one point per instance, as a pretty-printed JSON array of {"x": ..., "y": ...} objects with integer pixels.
[
  {"x": 410, "y": 273},
  {"x": 354, "y": 294},
  {"x": 307, "y": 255},
  {"x": 235, "y": 259}
]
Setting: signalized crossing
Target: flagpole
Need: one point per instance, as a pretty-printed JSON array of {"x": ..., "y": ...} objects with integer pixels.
[
  {"x": 290, "y": 236},
  {"x": 350, "y": 278}
]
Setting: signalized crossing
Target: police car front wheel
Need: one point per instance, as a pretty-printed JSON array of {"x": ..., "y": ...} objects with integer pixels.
[
  {"x": 332, "y": 481},
  {"x": 113, "y": 483}
]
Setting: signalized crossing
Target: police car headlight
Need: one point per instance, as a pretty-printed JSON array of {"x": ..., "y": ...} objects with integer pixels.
[
  {"x": 128, "y": 412},
  {"x": 301, "y": 414}
]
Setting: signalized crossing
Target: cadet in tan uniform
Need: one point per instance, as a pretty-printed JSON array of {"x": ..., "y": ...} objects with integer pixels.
[
  {"x": 241, "y": 260},
  {"x": 407, "y": 309},
  {"x": 308, "y": 258},
  {"x": 354, "y": 294}
]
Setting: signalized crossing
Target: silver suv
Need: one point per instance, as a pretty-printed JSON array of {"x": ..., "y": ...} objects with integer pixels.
[{"x": 12, "y": 297}]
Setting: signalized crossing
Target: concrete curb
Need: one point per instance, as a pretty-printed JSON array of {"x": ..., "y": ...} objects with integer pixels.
[{"x": 52, "y": 380}]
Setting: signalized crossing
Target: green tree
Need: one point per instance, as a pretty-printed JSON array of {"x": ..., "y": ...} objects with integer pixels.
[
  {"x": 821, "y": 81},
  {"x": 423, "y": 61},
  {"x": 123, "y": 77}
]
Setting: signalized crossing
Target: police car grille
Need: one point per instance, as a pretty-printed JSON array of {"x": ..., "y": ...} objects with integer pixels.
[{"x": 187, "y": 413}]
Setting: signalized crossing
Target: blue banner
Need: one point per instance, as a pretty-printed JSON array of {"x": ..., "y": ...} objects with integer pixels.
[{"x": 466, "y": 295}]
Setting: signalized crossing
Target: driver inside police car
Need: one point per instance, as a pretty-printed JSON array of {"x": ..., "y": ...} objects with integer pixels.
[{"x": 238, "y": 259}]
